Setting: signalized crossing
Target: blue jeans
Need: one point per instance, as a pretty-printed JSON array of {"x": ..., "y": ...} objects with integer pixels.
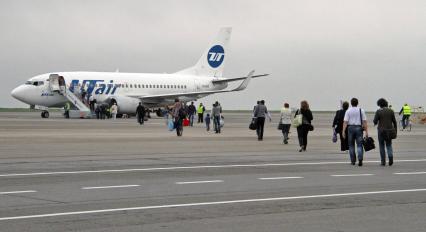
[
  {"x": 216, "y": 122},
  {"x": 382, "y": 143},
  {"x": 355, "y": 135},
  {"x": 191, "y": 119}
]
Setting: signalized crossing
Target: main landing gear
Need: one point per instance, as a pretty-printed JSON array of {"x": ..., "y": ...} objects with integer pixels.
[{"x": 45, "y": 114}]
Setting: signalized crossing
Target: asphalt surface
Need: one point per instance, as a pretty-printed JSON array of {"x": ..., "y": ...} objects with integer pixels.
[{"x": 92, "y": 175}]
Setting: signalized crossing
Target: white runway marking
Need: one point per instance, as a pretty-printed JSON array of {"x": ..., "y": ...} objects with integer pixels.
[
  {"x": 200, "y": 182},
  {"x": 350, "y": 175},
  {"x": 211, "y": 203},
  {"x": 108, "y": 187},
  {"x": 16, "y": 192},
  {"x": 409, "y": 173},
  {"x": 281, "y": 178},
  {"x": 192, "y": 167}
]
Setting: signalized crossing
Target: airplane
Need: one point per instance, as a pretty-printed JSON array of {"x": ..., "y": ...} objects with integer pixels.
[{"x": 128, "y": 89}]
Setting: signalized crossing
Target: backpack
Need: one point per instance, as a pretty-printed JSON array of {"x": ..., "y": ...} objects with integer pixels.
[{"x": 182, "y": 113}]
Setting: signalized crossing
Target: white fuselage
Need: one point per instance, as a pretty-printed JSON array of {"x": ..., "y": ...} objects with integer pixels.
[{"x": 113, "y": 85}]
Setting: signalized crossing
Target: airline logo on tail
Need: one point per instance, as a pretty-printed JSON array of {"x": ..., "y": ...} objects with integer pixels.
[{"x": 215, "y": 56}]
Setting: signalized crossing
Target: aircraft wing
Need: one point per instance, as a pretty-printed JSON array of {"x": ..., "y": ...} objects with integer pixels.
[
  {"x": 223, "y": 80},
  {"x": 192, "y": 95}
]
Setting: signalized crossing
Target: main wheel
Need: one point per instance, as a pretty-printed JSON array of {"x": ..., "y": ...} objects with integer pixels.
[{"x": 45, "y": 114}]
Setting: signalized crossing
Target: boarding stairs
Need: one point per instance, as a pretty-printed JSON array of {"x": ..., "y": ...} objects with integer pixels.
[{"x": 57, "y": 84}]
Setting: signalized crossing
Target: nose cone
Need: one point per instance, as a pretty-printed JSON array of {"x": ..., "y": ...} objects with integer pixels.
[{"x": 18, "y": 93}]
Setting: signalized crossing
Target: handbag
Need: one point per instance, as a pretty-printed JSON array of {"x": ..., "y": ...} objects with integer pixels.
[
  {"x": 334, "y": 138},
  {"x": 253, "y": 124},
  {"x": 368, "y": 144},
  {"x": 280, "y": 126},
  {"x": 388, "y": 134},
  {"x": 297, "y": 120}
]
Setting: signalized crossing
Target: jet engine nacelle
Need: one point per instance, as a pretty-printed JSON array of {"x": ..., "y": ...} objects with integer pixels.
[{"x": 126, "y": 105}]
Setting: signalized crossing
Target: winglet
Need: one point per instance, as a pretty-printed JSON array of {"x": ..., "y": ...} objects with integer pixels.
[{"x": 245, "y": 82}]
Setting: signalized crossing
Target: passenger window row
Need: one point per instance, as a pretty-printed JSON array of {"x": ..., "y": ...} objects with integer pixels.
[
  {"x": 151, "y": 86},
  {"x": 142, "y": 86}
]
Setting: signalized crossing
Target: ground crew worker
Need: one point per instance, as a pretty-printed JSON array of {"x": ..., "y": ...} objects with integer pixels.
[
  {"x": 406, "y": 113},
  {"x": 200, "y": 111},
  {"x": 67, "y": 110}
]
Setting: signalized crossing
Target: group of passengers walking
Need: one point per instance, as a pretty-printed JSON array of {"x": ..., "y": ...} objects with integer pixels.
[
  {"x": 303, "y": 115},
  {"x": 349, "y": 122},
  {"x": 351, "y": 125},
  {"x": 179, "y": 112}
]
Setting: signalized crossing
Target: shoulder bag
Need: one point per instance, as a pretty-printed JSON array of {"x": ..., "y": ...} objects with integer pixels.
[{"x": 298, "y": 119}]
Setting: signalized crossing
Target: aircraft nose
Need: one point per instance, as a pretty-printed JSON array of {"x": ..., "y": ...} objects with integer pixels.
[{"x": 18, "y": 92}]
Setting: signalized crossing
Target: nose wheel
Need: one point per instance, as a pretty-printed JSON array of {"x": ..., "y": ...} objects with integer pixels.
[{"x": 45, "y": 114}]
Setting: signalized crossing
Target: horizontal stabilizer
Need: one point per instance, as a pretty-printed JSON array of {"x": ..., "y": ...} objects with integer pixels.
[{"x": 225, "y": 80}]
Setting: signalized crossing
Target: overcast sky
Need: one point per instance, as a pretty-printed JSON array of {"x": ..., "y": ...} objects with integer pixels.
[{"x": 318, "y": 50}]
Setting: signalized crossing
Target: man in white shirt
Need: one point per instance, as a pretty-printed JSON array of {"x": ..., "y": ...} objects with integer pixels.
[{"x": 356, "y": 122}]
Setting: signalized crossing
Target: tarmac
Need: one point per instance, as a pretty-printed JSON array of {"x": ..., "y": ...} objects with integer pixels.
[{"x": 104, "y": 175}]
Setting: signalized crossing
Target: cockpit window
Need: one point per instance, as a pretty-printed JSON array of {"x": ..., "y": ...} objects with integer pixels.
[{"x": 35, "y": 83}]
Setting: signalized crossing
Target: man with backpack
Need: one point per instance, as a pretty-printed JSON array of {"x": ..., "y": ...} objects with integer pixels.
[{"x": 178, "y": 113}]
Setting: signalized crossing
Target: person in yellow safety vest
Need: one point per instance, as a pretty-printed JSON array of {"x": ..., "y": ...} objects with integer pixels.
[
  {"x": 67, "y": 107},
  {"x": 406, "y": 113},
  {"x": 200, "y": 111}
]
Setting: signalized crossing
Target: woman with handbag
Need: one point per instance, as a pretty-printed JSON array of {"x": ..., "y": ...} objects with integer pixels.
[
  {"x": 285, "y": 122},
  {"x": 387, "y": 128},
  {"x": 306, "y": 126}
]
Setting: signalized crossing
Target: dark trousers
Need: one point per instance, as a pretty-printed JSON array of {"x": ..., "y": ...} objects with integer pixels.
[
  {"x": 344, "y": 146},
  {"x": 302, "y": 135},
  {"x": 260, "y": 127},
  {"x": 92, "y": 106},
  {"x": 200, "y": 118},
  {"x": 179, "y": 126},
  {"x": 141, "y": 118},
  {"x": 382, "y": 144},
  {"x": 67, "y": 114},
  {"x": 405, "y": 119},
  {"x": 286, "y": 130}
]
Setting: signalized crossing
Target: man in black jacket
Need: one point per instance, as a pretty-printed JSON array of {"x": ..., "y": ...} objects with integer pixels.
[
  {"x": 140, "y": 112},
  {"x": 338, "y": 126},
  {"x": 191, "y": 113}
]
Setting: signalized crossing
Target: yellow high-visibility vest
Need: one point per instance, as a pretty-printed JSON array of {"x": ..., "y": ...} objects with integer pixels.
[
  {"x": 406, "y": 110},
  {"x": 200, "y": 109}
]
